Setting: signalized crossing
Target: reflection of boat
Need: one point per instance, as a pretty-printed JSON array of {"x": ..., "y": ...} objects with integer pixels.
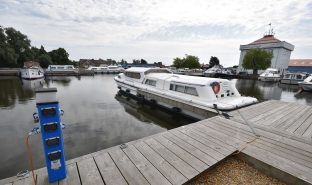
[
  {"x": 32, "y": 84},
  {"x": 189, "y": 90},
  {"x": 270, "y": 75},
  {"x": 149, "y": 114},
  {"x": 32, "y": 70},
  {"x": 306, "y": 84},
  {"x": 293, "y": 78}
]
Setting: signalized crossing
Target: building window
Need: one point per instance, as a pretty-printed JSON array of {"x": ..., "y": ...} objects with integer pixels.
[
  {"x": 184, "y": 89},
  {"x": 150, "y": 82}
]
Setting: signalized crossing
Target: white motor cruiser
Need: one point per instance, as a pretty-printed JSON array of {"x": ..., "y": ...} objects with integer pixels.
[
  {"x": 32, "y": 73},
  {"x": 191, "y": 90},
  {"x": 293, "y": 78},
  {"x": 306, "y": 84},
  {"x": 98, "y": 69},
  {"x": 270, "y": 75}
]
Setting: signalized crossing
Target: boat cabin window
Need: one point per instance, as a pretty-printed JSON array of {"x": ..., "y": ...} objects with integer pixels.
[
  {"x": 133, "y": 75},
  {"x": 52, "y": 67},
  {"x": 184, "y": 89},
  {"x": 60, "y": 68},
  {"x": 299, "y": 77},
  {"x": 150, "y": 82}
]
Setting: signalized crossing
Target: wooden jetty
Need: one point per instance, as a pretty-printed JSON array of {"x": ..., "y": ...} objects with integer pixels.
[{"x": 276, "y": 139}]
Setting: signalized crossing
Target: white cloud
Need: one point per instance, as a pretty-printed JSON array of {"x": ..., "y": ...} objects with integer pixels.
[{"x": 158, "y": 30}]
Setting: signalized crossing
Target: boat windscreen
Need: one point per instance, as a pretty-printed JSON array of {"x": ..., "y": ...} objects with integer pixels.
[{"x": 156, "y": 71}]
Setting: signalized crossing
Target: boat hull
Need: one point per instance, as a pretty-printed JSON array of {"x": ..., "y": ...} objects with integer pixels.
[
  {"x": 269, "y": 79},
  {"x": 31, "y": 74},
  {"x": 306, "y": 86},
  {"x": 290, "y": 81}
]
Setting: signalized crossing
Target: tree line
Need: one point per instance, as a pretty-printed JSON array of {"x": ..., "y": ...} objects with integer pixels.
[
  {"x": 192, "y": 62},
  {"x": 15, "y": 49}
]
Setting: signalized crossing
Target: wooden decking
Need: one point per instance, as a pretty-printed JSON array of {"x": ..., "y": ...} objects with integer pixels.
[{"x": 176, "y": 156}]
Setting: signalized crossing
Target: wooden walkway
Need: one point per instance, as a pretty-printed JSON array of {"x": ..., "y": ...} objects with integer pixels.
[{"x": 179, "y": 155}]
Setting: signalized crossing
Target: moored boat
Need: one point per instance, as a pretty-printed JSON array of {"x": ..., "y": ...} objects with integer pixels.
[
  {"x": 31, "y": 71},
  {"x": 306, "y": 84},
  {"x": 191, "y": 90},
  {"x": 293, "y": 78},
  {"x": 270, "y": 75},
  {"x": 98, "y": 69}
]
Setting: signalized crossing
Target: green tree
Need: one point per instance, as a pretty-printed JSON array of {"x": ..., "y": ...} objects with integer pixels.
[
  {"x": 256, "y": 59},
  {"x": 213, "y": 61},
  {"x": 19, "y": 43},
  {"x": 143, "y": 61},
  {"x": 178, "y": 62},
  {"x": 44, "y": 60},
  {"x": 189, "y": 61},
  {"x": 59, "y": 56}
]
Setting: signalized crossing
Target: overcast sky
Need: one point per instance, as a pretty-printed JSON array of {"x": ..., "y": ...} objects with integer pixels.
[{"x": 159, "y": 30}]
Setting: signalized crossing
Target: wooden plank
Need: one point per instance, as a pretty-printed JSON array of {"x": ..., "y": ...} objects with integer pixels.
[
  {"x": 188, "y": 171},
  {"x": 281, "y": 163},
  {"x": 42, "y": 177},
  {"x": 264, "y": 133},
  {"x": 289, "y": 119},
  {"x": 190, "y": 148},
  {"x": 127, "y": 168},
  {"x": 109, "y": 170},
  {"x": 273, "y": 110},
  {"x": 199, "y": 137},
  {"x": 72, "y": 177},
  {"x": 301, "y": 123},
  {"x": 221, "y": 125},
  {"x": 306, "y": 121},
  {"x": 308, "y": 132},
  {"x": 211, "y": 152},
  {"x": 228, "y": 142},
  {"x": 183, "y": 154},
  {"x": 24, "y": 181},
  {"x": 152, "y": 175},
  {"x": 286, "y": 149},
  {"x": 277, "y": 115},
  {"x": 253, "y": 112},
  {"x": 172, "y": 174},
  {"x": 89, "y": 173},
  {"x": 283, "y": 153}
]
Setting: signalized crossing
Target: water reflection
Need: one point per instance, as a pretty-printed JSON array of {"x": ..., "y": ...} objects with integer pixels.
[
  {"x": 276, "y": 91},
  {"x": 11, "y": 92},
  {"x": 147, "y": 114}
]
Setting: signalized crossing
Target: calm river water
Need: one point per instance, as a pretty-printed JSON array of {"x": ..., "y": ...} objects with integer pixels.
[{"x": 94, "y": 118}]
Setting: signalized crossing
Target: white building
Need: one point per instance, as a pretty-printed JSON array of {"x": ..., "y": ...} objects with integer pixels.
[{"x": 281, "y": 51}]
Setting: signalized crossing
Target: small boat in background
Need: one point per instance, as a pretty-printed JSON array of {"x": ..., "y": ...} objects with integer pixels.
[
  {"x": 293, "y": 78},
  {"x": 32, "y": 71},
  {"x": 98, "y": 69},
  {"x": 114, "y": 69},
  {"x": 61, "y": 68},
  {"x": 270, "y": 75},
  {"x": 306, "y": 85}
]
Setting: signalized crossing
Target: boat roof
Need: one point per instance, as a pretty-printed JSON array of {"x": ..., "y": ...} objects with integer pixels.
[{"x": 194, "y": 80}]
